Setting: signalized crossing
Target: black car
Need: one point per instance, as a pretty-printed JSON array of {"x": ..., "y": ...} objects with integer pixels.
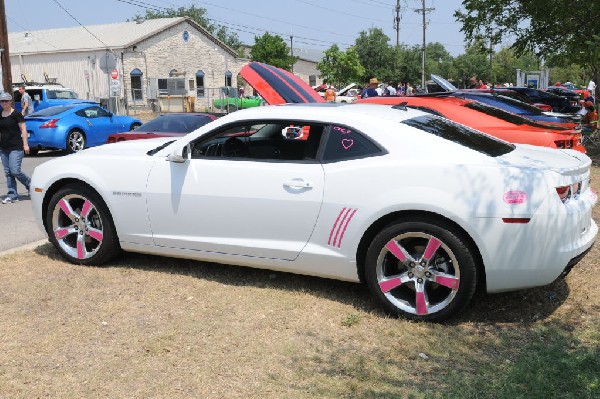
[{"x": 559, "y": 103}]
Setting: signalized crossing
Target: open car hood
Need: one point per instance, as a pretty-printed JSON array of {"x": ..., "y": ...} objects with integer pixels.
[
  {"x": 443, "y": 83},
  {"x": 278, "y": 86}
]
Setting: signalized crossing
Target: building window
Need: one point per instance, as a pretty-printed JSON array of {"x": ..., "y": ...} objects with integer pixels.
[
  {"x": 200, "y": 83},
  {"x": 228, "y": 78},
  {"x": 136, "y": 85},
  {"x": 312, "y": 80}
]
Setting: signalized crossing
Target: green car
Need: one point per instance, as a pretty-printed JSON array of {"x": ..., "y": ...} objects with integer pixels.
[{"x": 230, "y": 100}]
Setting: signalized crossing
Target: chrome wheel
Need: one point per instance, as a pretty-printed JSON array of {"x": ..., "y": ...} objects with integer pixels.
[
  {"x": 75, "y": 141},
  {"x": 422, "y": 269},
  {"x": 77, "y": 226},
  {"x": 418, "y": 273}
]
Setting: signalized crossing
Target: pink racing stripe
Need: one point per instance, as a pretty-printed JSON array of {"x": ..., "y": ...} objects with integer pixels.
[
  {"x": 87, "y": 206},
  {"x": 80, "y": 251},
  {"x": 389, "y": 285},
  {"x": 61, "y": 233},
  {"x": 421, "y": 303},
  {"x": 447, "y": 281},
  {"x": 335, "y": 225},
  {"x": 339, "y": 244},
  {"x": 394, "y": 248},
  {"x": 432, "y": 246},
  {"x": 95, "y": 234},
  {"x": 337, "y": 233}
]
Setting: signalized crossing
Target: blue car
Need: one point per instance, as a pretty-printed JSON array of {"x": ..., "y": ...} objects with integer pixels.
[{"x": 74, "y": 127}]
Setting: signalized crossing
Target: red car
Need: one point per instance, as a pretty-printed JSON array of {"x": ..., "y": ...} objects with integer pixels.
[
  {"x": 490, "y": 120},
  {"x": 175, "y": 124}
]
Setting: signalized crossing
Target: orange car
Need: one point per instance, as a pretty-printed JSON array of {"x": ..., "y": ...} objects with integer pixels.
[{"x": 491, "y": 120}]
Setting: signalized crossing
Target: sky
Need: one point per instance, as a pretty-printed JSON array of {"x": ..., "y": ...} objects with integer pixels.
[{"x": 314, "y": 24}]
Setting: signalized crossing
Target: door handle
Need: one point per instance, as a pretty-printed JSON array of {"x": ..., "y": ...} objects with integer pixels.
[{"x": 297, "y": 184}]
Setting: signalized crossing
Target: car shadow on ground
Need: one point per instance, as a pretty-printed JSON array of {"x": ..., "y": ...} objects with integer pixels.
[{"x": 524, "y": 307}]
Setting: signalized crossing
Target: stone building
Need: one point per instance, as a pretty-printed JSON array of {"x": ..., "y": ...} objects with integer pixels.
[
  {"x": 156, "y": 61},
  {"x": 169, "y": 62}
]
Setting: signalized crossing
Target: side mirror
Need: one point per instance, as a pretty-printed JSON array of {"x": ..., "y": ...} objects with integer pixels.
[
  {"x": 36, "y": 97},
  {"x": 110, "y": 114},
  {"x": 180, "y": 154}
]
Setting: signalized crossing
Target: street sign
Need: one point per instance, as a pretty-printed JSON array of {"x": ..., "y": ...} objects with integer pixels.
[
  {"x": 107, "y": 62},
  {"x": 114, "y": 74}
]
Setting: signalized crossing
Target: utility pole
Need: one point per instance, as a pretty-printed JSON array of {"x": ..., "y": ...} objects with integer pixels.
[
  {"x": 397, "y": 23},
  {"x": 423, "y": 11},
  {"x": 5, "y": 54},
  {"x": 292, "y": 51}
]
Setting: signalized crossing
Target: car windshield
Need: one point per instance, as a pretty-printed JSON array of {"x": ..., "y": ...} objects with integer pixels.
[
  {"x": 460, "y": 134},
  {"x": 52, "y": 110},
  {"x": 174, "y": 124},
  {"x": 509, "y": 117}
]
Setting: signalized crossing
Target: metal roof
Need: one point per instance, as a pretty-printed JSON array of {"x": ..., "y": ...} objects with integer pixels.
[{"x": 114, "y": 36}]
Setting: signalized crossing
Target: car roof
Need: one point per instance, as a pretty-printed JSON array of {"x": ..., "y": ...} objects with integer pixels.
[{"x": 326, "y": 112}]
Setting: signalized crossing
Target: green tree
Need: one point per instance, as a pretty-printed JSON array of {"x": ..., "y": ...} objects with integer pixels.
[
  {"x": 376, "y": 55},
  {"x": 198, "y": 15},
  {"x": 563, "y": 31},
  {"x": 473, "y": 63},
  {"x": 341, "y": 67},
  {"x": 272, "y": 50}
]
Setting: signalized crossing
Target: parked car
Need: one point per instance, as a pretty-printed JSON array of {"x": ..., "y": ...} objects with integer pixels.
[
  {"x": 166, "y": 125},
  {"x": 74, "y": 127},
  {"x": 231, "y": 101},
  {"x": 490, "y": 120},
  {"x": 507, "y": 103},
  {"x": 515, "y": 106},
  {"x": 424, "y": 210},
  {"x": 573, "y": 97},
  {"x": 47, "y": 95}
]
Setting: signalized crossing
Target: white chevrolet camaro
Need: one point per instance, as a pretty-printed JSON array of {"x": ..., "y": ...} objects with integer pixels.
[{"x": 423, "y": 210}]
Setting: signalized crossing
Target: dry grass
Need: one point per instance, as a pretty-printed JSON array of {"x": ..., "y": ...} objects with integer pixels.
[{"x": 151, "y": 327}]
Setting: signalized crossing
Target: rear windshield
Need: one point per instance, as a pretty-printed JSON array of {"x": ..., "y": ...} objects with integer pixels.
[
  {"x": 61, "y": 94},
  {"x": 509, "y": 117},
  {"x": 460, "y": 134},
  {"x": 52, "y": 110},
  {"x": 174, "y": 124}
]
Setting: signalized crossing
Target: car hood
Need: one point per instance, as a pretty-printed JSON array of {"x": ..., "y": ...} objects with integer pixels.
[
  {"x": 345, "y": 90},
  {"x": 278, "y": 86},
  {"x": 568, "y": 162},
  {"x": 128, "y": 147},
  {"x": 443, "y": 83}
]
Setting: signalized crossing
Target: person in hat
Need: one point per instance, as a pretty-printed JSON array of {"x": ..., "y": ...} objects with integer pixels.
[
  {"x": 13, "y": 147},
  {"x": 371, "y": 90},
  {"x": 330, "y": 94}
]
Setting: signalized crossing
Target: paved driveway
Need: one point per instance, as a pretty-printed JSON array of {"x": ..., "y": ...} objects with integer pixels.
[{"x": 17, "y": 226}]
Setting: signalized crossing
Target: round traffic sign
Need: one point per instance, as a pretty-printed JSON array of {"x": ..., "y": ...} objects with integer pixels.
[{"x": 114, "y": 74}]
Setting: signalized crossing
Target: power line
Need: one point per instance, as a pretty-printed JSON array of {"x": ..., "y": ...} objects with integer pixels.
[
  {"x": 30, "y": 34},
  {"x": 83, "y": 26}
]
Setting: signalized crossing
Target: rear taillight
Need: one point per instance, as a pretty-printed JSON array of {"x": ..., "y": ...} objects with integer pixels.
[
  {"x": 51, "y": 124},
  {"x": 563, "y": 193}
]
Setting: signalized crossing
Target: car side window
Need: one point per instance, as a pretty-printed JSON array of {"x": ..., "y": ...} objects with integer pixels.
[
  {"x": 264, "y": 141},
  {"x": 346, "y": 143},
  {"x": 92, "y": 112}
]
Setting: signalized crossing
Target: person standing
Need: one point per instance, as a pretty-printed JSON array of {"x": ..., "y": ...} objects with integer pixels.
[
  {"x": 370, "y": 91},
  {"x": 592, "y": 89},
  {"x": 330, "y": 94},
  {"x": 13, "y": 147},
  {"x": 26, "y": 103}
]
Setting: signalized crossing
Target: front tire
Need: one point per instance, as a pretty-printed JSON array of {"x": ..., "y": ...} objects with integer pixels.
[
  {"x": 134, "y": 126},
  {"x": 421, "y": 269},
  {"x": 75, "y": 141},
  {"x": 79, "y": 225}
]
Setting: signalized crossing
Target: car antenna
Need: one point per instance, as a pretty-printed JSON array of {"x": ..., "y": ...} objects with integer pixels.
[{"x": 401, "y": 106}]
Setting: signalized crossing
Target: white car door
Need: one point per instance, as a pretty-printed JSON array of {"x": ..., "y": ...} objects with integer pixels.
[{"x": 237, "y": 206}]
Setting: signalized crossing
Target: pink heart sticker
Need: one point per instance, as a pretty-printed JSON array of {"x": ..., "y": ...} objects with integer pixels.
[{"x": 347, "y": 143}]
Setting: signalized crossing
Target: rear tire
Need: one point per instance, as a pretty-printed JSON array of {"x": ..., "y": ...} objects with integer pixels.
[
  {"x": 421, "y": 269},
  {"x": 75, "y": 141},
  {"x": 79, "y": 225},
  {"x": 134, "y": 126}
]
